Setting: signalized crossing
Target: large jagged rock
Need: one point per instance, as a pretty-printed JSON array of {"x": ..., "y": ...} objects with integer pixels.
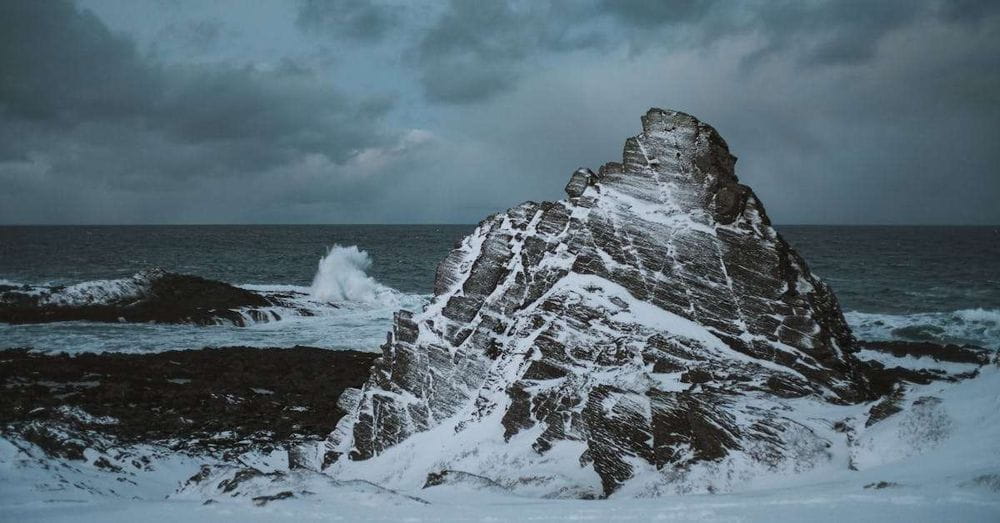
[{"x": 652, "y": 323}]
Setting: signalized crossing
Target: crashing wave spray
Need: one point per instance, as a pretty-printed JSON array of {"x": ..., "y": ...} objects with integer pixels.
[{"x": 341, "y": 277}]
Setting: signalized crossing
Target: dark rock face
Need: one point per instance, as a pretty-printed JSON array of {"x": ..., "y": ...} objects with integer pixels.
[
  {"x": 651, "y": 322},
  {"x": 921, "y": 349},
  {"x": 149, "y": 296}
]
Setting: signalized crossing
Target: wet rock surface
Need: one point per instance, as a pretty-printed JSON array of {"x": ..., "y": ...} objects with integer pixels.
[
  {"x": 934, "y": 351},
  {"x": 210, "y": 401},
  {"x": 654, "y": 320},
  {"x": 148, "y": 296},
  {"x": 918, "y": 363}
]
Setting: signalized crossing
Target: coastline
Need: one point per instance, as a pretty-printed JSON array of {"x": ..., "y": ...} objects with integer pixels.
[{"x": 210, "y": 400}]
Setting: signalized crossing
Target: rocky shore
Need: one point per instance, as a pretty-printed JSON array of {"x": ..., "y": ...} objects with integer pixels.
[
  {"x": 149, "y": 296},
  {"x": 219, "y": 401},
  {"x": 227, "y": 401}
]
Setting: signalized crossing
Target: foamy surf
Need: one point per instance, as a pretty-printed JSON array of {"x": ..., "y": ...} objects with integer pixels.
[
  {"x": 974, "y": 326},
  {"x": 342, "y": 277},
  {"x": 344, "y": 308}
]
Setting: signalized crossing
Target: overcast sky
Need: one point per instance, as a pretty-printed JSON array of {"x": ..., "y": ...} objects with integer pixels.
[{"x": 349, "y": 111}]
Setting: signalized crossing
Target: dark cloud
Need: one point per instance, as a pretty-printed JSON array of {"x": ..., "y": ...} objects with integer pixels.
[
  {"x": 475, "y": 50},
  {"x": 358, "y": 19},
  {"x": 647, "y": 14},
  {"x": 349, "y": 111},
  {"x": 64, "y": 67},
  {"x": 972, "y": 11},
  {"x": 198, "y": 35},
  {"x": 61, "y": 65},
  {"x": 831, "y": 33},
  {"x": 79, "y": 102}
]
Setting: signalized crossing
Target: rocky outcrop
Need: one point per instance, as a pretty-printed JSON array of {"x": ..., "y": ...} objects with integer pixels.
[
  {"x": 652, "y": 323},
  {"x": 148, "y": 296},
  {"x": 211, "y": 402}
]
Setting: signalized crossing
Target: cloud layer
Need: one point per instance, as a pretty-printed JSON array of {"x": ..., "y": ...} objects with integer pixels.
[{"x": 368, "y": 112}]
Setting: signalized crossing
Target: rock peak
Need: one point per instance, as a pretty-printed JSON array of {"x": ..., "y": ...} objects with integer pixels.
[
  {"x": 650, "y": 324},
  {"x": 657, "y": 119}
]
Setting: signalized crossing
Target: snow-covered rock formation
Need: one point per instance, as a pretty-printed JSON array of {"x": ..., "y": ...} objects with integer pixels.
[{"x": 651, "y": 329}]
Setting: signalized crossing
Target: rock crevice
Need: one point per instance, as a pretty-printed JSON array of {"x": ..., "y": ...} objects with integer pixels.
[{"x": 652, "y": 321}]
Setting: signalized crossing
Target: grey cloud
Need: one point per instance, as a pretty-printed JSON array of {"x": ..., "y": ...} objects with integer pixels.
[
  {"x": 821, "y": 33},
  {"x": 64, "y": 67},
  {"x": 198, "y": 35},
  {"x": 646, "y": 13},
  {"x": 61, "y": 65},
  {"x": 890, "y": 117},
  {"x": 972, "y": 11},
  {"x": 78, "y": 102},
  {"x": 91, "y": 131},
  {"x": 357, "y": 19},
  {"x": 831, "y": 33},
  {"x": 904, "y": 139},
  {"x": 462, "y": 80},
  {"x": 475, "y": 50},
  {"x": 277, "y": 111}
]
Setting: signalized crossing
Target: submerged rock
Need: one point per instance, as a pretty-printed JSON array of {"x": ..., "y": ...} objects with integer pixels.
[{"x": 652, "y": 322}]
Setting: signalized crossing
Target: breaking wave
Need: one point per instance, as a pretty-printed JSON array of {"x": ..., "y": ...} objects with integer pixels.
[
  {"x": 344, "y": 308},
  {"x": 974, "y": 326},
  {"x": 341, "y": 277}
]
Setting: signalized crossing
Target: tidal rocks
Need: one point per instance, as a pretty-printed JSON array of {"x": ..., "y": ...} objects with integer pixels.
[
  {"x": 211, "y": 401},
  {"x": 652, "y": 322},
  {"x": 149, "y": 296}
]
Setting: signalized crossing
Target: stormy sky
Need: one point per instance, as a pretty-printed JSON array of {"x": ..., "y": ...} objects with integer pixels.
[{"x": 354, "y": 111}]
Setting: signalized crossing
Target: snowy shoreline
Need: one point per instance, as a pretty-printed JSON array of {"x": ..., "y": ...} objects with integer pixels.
[{"x": 935, "y": 460}]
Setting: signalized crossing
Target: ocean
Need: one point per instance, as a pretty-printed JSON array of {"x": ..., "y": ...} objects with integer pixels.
[{"x": 900, "y": 282}]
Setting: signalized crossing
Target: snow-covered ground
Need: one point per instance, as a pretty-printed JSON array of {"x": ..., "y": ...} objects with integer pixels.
[
  {"x": 937, "y": 460},
  {"x": 828, "y": 502}
]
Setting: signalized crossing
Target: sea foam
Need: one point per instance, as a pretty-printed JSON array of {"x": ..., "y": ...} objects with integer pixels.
[
  {"x": 976, "y": 326},
  {"x": 341, "y": 277}
]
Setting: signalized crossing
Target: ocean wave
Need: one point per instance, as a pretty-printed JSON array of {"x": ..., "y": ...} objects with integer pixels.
[
  {"x": 342, "y": 277},
  {"x": 344, "y": 308},
  {"x": 973, "y": 326},
  {"x": 341, "y": 291}
]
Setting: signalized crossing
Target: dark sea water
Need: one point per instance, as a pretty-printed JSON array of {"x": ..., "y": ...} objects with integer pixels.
[
  {"x": 894, "y": 282},
  {"x": 404, "y": 256}
]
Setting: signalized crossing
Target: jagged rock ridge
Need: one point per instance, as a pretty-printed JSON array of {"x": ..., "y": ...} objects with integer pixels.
[{"x": 652, "y": 322}]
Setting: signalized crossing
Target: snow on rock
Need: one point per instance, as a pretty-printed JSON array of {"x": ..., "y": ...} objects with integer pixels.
[
  {"x": 648, "y": 331},
  {"x": 899, "y": 469}
]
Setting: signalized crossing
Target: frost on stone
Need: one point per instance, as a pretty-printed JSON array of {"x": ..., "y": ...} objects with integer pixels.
[{"x": 652, "y": 322}]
